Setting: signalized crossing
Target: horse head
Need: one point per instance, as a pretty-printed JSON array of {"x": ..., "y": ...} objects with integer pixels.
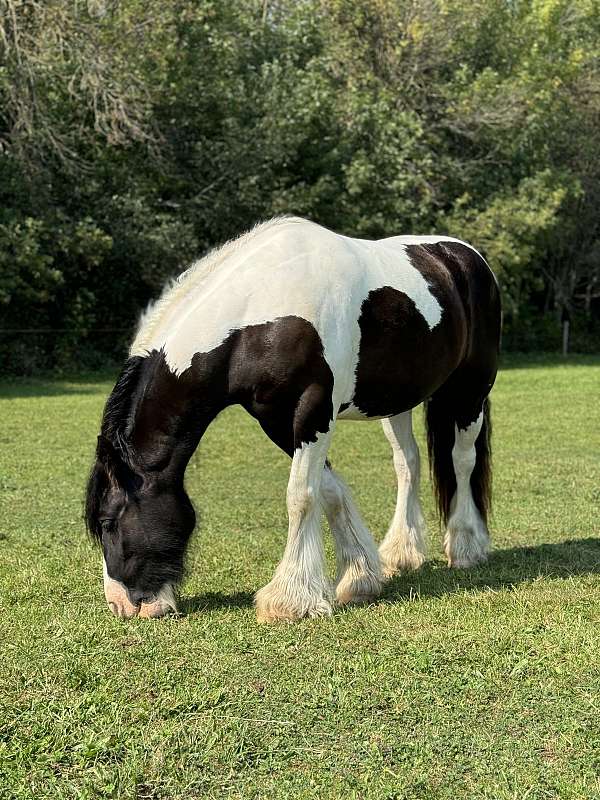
[{"x": 143, "y": 520}]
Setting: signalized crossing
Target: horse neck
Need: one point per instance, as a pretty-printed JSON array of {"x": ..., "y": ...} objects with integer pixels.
[{"x": 171, "y": 414}]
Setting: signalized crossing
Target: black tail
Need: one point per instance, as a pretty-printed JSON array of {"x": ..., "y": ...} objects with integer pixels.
[{"x": 440, "y": 420}]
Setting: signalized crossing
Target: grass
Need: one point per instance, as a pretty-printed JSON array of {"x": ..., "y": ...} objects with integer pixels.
[{"x": 457, "y": 684}]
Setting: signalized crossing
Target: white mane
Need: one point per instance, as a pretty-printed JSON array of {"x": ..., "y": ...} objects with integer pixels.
[{"x": 179, "y": 287}]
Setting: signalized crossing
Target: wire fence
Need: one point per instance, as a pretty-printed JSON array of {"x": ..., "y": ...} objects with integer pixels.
[
  {"x": 65, "y": 330},
  {"x": 30, "y": 350}
]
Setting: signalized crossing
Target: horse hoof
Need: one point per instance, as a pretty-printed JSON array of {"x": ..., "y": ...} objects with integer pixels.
[
  {"x": 269, "y": 616},
  {"x": 406, "y": 561},
  {"x": 271, "y": 607},
  {"x": 358, "y": 591},
  {"x": 467, "y": 563},
  {"x": 349, "y": 599}
]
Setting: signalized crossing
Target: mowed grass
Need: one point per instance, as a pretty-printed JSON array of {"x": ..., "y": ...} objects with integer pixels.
[{"x": 456, "y": 684}]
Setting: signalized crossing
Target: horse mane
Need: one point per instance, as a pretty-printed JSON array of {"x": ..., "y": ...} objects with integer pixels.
[
  {"x": 115, "y": 457},
  {"x": 114, "y": 454},
  {"x": 120, "y": 406},
  {"x": 192, "y": 277}
]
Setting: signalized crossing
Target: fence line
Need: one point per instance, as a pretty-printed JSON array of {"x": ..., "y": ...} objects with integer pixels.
[{"x": 65, "y": 330}]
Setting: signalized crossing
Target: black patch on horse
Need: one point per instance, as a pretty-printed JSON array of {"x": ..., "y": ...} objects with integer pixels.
[
  {"x": 464, "y": 395},
  {"x": 400, "y": 360},
  {"x": 278, "y": 372},
  {"x": 153, "y": 421}
]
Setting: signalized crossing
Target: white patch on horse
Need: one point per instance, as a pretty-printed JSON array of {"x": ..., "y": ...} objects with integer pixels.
[
  {"x": 117, "y": 597},
  {"x": 160, "y": 312},
  {"x": 467, "y": 539},
  {"x": 403, "y": 547},
  {"x": 351, "y": 412},
  {"x": 300, "y": 587},
  {"x": 358, "y": 572},
  {"x": 119, "y": 603},
  {"x": 163, "y": 603},
  {"x": 288, "y": 267}
]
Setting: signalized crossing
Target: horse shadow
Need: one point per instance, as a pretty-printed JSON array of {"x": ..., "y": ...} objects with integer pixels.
[
  {"x": 210, "y": 601},
  {"x": 505, "y": 569}
]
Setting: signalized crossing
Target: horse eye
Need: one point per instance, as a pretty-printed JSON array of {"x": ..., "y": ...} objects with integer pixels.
[{"x": 107, "y": 525}]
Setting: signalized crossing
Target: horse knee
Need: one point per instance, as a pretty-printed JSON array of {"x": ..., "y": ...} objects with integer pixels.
[
  {"x": 301, "y": 500},
  {"x": 332, "y": 494}
]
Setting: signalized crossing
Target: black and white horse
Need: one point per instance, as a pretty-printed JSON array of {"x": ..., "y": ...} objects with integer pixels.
[{"x": 303, "y": 327}]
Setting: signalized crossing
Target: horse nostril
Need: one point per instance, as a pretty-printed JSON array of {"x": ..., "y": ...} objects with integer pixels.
[{"x": 138, "y": 597}]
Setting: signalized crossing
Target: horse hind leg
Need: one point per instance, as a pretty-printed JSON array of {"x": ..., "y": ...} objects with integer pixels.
[
  {"x": 459, "y": 448},
  {"x": 467, "y": 539},
  {"x": 403, "y": 547},
  {"x": 358, "y": 571}
]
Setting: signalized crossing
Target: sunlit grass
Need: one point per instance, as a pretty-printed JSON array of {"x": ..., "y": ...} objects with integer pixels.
[{"x": 479, "y": 684}]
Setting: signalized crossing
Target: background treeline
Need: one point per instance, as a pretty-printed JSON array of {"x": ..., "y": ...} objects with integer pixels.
[{"x": 134, "y": 135}]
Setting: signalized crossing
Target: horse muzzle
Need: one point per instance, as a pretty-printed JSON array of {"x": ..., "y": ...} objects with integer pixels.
[{"x": 123, "y": 605}]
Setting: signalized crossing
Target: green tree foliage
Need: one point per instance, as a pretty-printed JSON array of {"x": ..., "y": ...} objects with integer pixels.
[{"x": 135, "y": 135}]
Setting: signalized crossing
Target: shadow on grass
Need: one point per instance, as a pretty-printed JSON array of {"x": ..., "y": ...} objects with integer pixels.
[
  {"x": 214, "y": 600},
  {"x": 510, "y": 360},
  {"x": 48, "y": 386},
  {"x": 504, "y": 570},
  {"x": 9, "y": 390}
]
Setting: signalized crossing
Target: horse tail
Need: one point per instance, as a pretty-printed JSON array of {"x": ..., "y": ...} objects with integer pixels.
[{"x": 440, "y": 420}]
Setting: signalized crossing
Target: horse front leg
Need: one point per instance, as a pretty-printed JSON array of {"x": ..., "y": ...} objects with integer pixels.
[
  {"x": 300, "y": 587},
  {"x": 358, "y": 571}
]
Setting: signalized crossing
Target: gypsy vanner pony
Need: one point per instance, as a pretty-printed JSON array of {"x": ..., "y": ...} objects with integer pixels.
[{"x": 303, "y": 327}]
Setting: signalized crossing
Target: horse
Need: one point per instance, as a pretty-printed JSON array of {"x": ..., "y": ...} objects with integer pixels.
[{"x": 303, "y": 327}]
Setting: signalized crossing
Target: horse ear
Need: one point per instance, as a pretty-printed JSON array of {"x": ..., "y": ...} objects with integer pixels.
[
  {"x": 105, "y": 451},
  {"x": 116, "y": 467},
  {"x": 98, "y": 484}
]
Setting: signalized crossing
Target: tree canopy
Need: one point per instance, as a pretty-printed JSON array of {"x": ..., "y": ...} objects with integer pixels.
[{"x": 134, "y": 135}]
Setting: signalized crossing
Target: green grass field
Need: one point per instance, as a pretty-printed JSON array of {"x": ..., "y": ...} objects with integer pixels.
[{"x": 456, "y": 684}]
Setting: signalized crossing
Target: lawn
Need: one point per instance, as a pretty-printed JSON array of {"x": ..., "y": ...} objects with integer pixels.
[{"x": 456, "y": 684}]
